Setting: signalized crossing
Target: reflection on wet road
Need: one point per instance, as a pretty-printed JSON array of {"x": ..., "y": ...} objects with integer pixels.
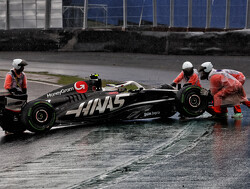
[
  {"x": 172, "y": 153},
  {"x": 220, "y": 160},
  {"x": 89, "y": 155}
]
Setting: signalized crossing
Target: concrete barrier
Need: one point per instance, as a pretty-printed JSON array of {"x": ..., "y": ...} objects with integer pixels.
[{"x": 153, "y": 42}]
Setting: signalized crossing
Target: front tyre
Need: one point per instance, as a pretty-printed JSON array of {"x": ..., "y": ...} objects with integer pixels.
[
  {"x": 190, "y": 102},
  {"x": 38, "y": 116}
]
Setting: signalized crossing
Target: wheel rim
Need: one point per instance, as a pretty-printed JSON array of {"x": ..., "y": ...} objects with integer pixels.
[
  {"x": 41, "y": 116},
  {"x": 194, "y": 101}
]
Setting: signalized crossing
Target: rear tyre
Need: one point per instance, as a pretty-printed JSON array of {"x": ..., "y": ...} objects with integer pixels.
[
  {"x": 190, "y": 102},
  {"x": 38, "y": 116}
]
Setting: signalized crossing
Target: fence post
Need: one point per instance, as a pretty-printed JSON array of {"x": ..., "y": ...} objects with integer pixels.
[
  {"x": 208, "y": 14},
  {"x": 85, "y": 15},
  {"x": 125, "y": 14},
  {"x": 47, "y": 14},
  {"x": 171, "y": 22},
  {"x": 190, "y": 4},
  {"x": 7, "y": 18},
  {"x": 247, "y": 15},
  {"x": 154, "y": 13},
  {"x": 227, "y": 18}
]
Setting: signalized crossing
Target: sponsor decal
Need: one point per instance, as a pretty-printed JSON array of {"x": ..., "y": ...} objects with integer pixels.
[
  {"x": 96, "y": 105},
  {"x": 147, "y": 114},
  {"x": 58, "y": 93},
  {"x": 81, "y": 87}
]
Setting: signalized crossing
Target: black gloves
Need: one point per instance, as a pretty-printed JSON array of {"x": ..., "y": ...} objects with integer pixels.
[
  {"x": 24, "y": 91},
  {"x": 173, "y": 84},
  {"x": 14, "y": 91}
]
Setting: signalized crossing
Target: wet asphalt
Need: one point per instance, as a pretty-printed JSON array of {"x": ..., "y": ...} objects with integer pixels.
[{"x": 191, "y": 153}]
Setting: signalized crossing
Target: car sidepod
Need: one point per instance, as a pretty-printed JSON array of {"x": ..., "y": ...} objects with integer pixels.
[{"x": 150, "y": 103}]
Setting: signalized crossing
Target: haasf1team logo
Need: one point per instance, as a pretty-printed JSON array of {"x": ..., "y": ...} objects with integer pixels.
[{"x": 81, "y": 86}]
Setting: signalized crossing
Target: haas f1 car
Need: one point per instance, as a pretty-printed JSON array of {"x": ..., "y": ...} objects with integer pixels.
[{"x": 86, "y": 102}]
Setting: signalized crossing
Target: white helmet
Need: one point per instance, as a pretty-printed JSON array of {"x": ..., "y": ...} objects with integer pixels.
[
  {"x": 17, "y": 63},
  {"x": 207, "y": 66},
  {"x": 186, "y": 65}
]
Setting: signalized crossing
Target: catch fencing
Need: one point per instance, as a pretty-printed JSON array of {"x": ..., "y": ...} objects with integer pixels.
[
  {"x": 16, "y": 14},
  {"x": 46, "y": 14}
]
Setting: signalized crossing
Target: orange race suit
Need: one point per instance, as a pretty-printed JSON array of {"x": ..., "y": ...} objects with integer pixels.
[
  {"x": 226, "y": 90},
  {"x": 193, "y": 79},
  {"x": 16, "y": 81}
]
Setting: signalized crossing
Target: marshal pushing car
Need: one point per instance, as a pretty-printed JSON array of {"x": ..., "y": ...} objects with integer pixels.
[{"x": 87, "y": 102}]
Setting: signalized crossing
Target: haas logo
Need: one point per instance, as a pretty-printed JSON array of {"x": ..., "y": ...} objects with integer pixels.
[
  {"x": 81, "y": 87},
  {"x": 99, "y": 106}
]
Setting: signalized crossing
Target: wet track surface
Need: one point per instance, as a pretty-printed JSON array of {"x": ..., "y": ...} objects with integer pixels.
[
  {"x": 192, "y": 153},
  {"x": 96, "y": 155}
]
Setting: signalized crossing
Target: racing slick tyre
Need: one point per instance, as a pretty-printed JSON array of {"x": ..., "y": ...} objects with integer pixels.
[
  {"x": 190, "y": 102},
  {"x": 38, "y": 116}
]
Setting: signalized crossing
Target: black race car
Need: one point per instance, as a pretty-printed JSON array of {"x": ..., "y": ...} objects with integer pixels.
[{"x": 86, "y": 102}]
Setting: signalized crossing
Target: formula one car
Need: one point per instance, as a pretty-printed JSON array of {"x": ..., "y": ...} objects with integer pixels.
[{"x": 86, "y": 102}]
